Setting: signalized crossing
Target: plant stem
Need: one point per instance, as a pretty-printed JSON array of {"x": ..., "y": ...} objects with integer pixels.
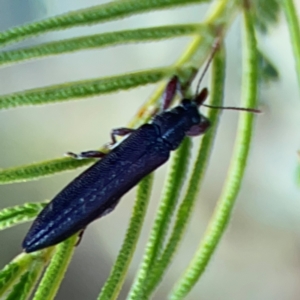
[
  {"x": 117, "y": 276},
  {"x": 55, "y": 272},
  {"x": 294, "y": 27},
  {"x": 231, "y": 188},
  {"x": 224, "y": 11}
]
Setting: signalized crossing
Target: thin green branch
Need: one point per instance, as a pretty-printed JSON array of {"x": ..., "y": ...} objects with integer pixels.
[
  {"x": 172, "y": 188},
  {"x": 18, "y": 214},
  {"x": 41, "y": 169},
  {"x": 34, "y": 171},
  {"x": 267, "y": 69},
  {"x": 226, "y": 202},
  {"x": 219, "y": 18},
  {"x": 55, "y": 272},
  {"x": 294, "y": 27},
  {"x": 265, "y": 13},
  {"x": 186, "y": 207},
  {"x": 85, "y": 88},
  {"x": 16, "y": 268},
  {"x": 11, "y": 272},
  {"x": 93, "y": 15},
  {"x": 152, "y": 270},
  {"x": 185, "y": 71},
  {"x": 23, "y": 289},
  {"x": 53, "y": 166},
  {"x": 37, "y": 170},
  {"x": 116, "y": 279},
  {"x": 102, "y": 40}
]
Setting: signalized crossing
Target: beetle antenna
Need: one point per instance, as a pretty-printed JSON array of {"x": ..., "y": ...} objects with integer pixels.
[
  {"x": 251, "y": 110},
  {"x": 212, "y": 54},
  {"x": 200, "y": 97}
]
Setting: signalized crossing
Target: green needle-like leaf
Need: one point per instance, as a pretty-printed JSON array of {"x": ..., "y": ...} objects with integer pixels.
[
  {"x": 82, "y": 89},
  {"x": 294, "y": 27},
  {"x": 267, "y": 70},
  {"x": 18, "y": 279},
  {"x": 10, "y": 274},
  {"x": 116, "y": 279},
  {"x": 265, "y": 13},
  {"x": 93, "y": 15},
  {"x": 56, "y": 270},
  {"x": 230, "y": 191},
  {"x": 172, "y": 188},
  {"x": 50, "y": 167},
  {"x": 102, "y": 40},
  {"x": 18, "y": 214},
  {"x": 186, "y": 207},
  {"x": 37, "y": 170},
  {"x": 23, "y": 289},
  {"x": 22, "y": 263}
]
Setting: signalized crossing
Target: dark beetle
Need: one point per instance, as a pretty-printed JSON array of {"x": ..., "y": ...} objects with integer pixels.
[{"x": 98, "y": 190}]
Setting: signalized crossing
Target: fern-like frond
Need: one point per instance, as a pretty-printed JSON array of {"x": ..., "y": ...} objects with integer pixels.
[
  {"x": 21, "y": 277},
  {"x": 89, "y": 16}
]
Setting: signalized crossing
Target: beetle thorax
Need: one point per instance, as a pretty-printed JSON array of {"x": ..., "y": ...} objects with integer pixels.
[{"x": 173, "y": 124}]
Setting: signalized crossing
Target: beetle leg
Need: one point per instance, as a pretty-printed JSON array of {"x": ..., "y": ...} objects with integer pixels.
[
  {"x": 110, "y": 209},
  {"x": 107, "y": 211},
  {"x": 175, "y": 85},
  {"x": 170, "y": 91},
  {"x": 86, "y": 154},
  {"x": 98, "y": 154},
  {"x": 122, "y": 131},
  {"x": 80, "y": 235},
  {"x": 183, "y": 89}
]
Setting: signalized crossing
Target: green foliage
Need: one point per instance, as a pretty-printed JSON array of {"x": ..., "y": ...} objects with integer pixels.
[
  {"x": 265, "y": 13},
  {"x": 41, "y": 169},
  {"x": 12, "y": 274},
  {"x": 20, "y": 290},
  {"x": 18, "y": 214},
  {"x": 170, "y": 195},
  {"x": 55, "y": 272},
  {"x": 82, "y": 89},
  {"x": 19, "y": 278},
  {"x": 100, "y": 41},
  {"x": 93, "y": 15},
  {"x": 186, "y": 207},
  {"x": 9, "y": 275},
  {"x": 23, "y": 289},
  {"x": 115, "y": 280},
  {"x": 226, "y": 201},
  {"x": 267, "y": 70},
  {"x": 292, "y": 18}
]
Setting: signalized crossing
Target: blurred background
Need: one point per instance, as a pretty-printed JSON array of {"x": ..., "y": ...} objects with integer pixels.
[{"x": 259, "y": 256}]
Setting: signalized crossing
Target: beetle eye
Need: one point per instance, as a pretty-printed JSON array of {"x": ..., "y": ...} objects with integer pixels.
[{"x": 199, "y": 128}]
